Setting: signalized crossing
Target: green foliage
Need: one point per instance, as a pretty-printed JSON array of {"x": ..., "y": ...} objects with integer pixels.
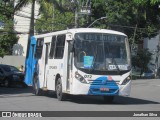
[
  {"x": 7, "y": 36},
  {"x": 142, "y": 2},
  {"x": 60, "y": 22},
  {"x": 142, "y": 59},
  {"x": 6, "y": 43},
  {"x": 53, "y": 19},
  {"x": 124, "y": 16}
]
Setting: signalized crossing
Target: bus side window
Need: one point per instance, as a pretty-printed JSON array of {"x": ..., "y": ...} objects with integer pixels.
[
  {"x": 39, "y": 47},
  {"x": 51, "y": 54},
  {"x": 60, "y": 47}
]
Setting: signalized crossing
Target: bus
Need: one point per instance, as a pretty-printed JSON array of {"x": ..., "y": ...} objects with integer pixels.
[{"x": 80, "y": 61}]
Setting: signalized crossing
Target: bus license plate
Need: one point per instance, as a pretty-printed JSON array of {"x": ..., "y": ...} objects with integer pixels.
[{"x": 104, "y": 89}]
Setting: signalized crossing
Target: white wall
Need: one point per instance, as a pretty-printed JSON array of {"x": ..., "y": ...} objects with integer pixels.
[
  {"x": 151, "y": 44},
  {"x": 16, "y": 61},
  {"x": 21, "y": 24}
]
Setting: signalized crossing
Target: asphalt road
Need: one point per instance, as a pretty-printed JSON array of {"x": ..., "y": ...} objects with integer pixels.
[{"x": 145, "y": 96}]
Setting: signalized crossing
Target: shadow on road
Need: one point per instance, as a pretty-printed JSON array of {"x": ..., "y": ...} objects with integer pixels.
[
  {"x": 15, "y": 90},
  {"x": 119, "y": 100}
]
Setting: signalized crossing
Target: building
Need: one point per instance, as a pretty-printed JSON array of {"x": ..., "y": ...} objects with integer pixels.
[
  {"x": 22, "y": 26},
  {"x": 152, "y": 45}
]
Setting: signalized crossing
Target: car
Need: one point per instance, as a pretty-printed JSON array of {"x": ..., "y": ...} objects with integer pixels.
[
  {"x": 158, "y": 73},
  {"x": 10, "y": 75},
  {"x": 149, "y": 74}
]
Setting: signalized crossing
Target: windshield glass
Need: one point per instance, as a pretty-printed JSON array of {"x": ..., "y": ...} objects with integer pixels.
[
  {"x": 102, "y": 52},
  {"x": 14, "y": 69}
]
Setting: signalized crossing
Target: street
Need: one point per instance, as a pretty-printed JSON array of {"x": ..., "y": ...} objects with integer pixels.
[{"x": 144, "y": 97}]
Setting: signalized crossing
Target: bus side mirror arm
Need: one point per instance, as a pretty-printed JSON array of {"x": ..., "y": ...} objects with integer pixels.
[{"x": 71, "y": 46}]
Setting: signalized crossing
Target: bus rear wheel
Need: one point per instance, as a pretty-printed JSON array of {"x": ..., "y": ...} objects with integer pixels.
[
  {"x": 37, "y": 90},
  {"x": 108, "y": 99},
  {"x": 60, "y": 95}
]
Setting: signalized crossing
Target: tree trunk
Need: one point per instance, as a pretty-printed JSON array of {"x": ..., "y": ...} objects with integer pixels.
[{"x": 31, "y": 28}]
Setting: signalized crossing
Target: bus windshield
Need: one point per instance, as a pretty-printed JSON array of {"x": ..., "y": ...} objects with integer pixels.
[{"x": 101, "y": 52}]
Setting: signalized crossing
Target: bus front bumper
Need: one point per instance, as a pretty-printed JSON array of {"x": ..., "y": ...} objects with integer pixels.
[{"x": 102, "y": 90}]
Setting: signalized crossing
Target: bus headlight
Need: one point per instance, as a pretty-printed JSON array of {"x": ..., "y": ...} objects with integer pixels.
[
  {"x": 80, "y": 77},
  {"x": 126, "y": 80}
]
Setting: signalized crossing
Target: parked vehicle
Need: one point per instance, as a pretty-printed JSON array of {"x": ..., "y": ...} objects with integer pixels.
[
  {"x": 149, "y": 74},
  {"x": 10, "y": 75},
  {"x": 158, "y": 73}
]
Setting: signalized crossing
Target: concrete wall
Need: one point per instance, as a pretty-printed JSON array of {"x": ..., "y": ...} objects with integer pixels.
[
  {"x": 151, "y": 44},
  {"x": 16, "y": 61}
]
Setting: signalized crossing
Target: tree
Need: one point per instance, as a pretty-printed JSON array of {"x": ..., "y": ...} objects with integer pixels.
[
  {"x": 22, "y": 3},
  {"x": 136, "y": 20},
  {"x": 53, "y": 19},
  {"x": 56, "y": 19},
  {"x": 7, "y": 35},
  {"x": 145, "y": 1},
  {"x": 142, "y": 59}
]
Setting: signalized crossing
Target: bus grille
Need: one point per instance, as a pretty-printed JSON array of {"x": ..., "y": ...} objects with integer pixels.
[{"x": 100, "y": 82}]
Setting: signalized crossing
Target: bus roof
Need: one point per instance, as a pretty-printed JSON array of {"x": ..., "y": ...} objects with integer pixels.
[{"x": 77, "y": 30}]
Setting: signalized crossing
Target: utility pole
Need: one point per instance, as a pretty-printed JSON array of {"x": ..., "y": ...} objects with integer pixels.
[
  {"x": 76, "y": 13},
  {"x": 133, "y": 42},
  {"x": 31, "y": 27},
  {"x": 76, "y": 17},
  {"x": 82, "y": 8}
]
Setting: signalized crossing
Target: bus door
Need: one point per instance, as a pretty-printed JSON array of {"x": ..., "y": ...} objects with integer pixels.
[
  {"x": 46, "y": 70},
  {"x": 69, "y": 60},
  {"x": 69, "y": 63}
]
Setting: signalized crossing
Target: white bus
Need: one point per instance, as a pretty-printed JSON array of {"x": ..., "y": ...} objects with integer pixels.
[{"x": 82, "y": 61}]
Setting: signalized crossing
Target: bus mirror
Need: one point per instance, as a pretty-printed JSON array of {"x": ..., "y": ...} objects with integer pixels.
[{"x": 69, "y": 37}]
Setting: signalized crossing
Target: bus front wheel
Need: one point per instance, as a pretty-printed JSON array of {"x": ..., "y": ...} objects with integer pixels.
[
  {"x": 37, "y": 90},
  {"x": 60, "y": 95}
]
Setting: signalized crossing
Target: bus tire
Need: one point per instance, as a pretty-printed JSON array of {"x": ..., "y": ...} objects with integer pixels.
[
  {"x": 108, "y": 99},
  {"x": 37, "y": 90},
  {"x": 60, "y": 95}
]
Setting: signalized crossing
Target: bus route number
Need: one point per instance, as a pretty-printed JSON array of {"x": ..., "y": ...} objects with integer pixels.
[{"x": 87, "y": 76}]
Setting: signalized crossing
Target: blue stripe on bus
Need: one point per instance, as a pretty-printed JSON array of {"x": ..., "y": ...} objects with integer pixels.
[
  {"x": 105, "y": 82},
  {"x": 30, "y": 62}
]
